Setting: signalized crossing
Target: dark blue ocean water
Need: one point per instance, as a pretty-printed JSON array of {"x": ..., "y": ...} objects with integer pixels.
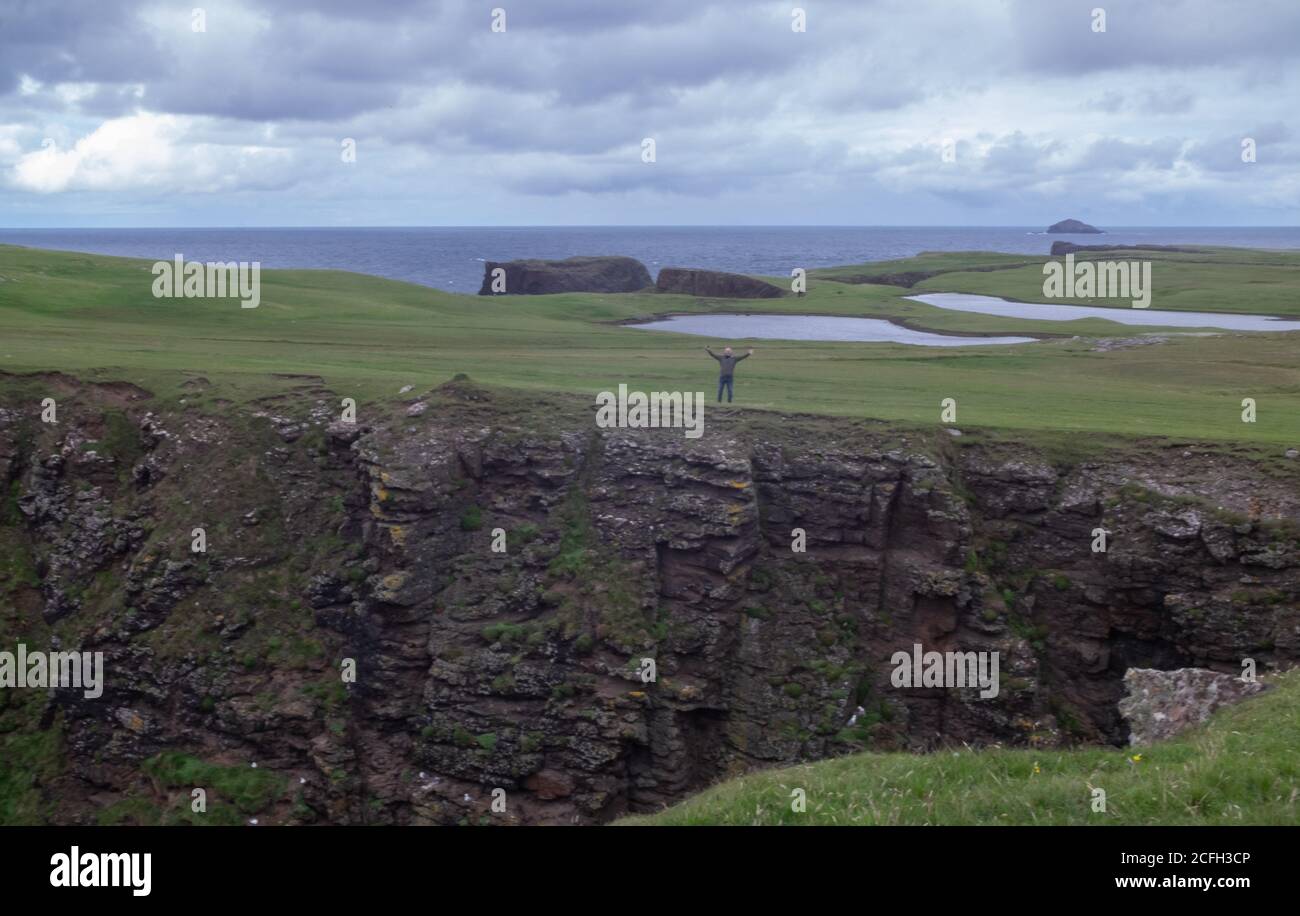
[{"x": 452, "y": 258}]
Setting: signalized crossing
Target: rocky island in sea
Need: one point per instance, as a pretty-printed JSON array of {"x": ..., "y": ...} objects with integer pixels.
[{"x": 1074, "y": 226}]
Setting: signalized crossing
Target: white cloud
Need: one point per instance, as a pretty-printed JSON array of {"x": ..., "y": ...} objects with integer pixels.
[{"x": 149, "y": 152}]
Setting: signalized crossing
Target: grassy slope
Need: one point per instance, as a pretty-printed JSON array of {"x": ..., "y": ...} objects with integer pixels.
[
  {"x": 1207, "y": 280},
  {"x": 366, "y": 336},
  {"x": 1241, "y": 768}
]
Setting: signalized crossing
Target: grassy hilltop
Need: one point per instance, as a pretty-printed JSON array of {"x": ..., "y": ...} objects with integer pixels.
[{"x": 94, "y": 316}]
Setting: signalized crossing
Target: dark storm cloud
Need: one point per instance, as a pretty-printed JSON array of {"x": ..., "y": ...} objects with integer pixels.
[
  {"x": 1057, "y": 36},
  {"x": 75, "y": 41},
  {"x": 556, "y": 107},
  {"x": 330, "y": 60}
]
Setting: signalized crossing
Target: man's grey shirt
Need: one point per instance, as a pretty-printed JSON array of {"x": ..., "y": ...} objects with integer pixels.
[{"x": 726, "y": 364}]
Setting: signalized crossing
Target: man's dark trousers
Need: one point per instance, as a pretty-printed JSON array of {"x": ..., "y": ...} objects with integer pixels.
[{"x": 724, "y": 382}]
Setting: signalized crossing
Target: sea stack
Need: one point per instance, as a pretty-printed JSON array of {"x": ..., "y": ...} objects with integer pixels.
[
  {"x": 714, "y": 284},
  {"x": 573, "y": 275},
  {"x": 1074, "y": 226}
]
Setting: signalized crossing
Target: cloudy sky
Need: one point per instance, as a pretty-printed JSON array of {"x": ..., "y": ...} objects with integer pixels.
[{"x": 123, "y": 113}]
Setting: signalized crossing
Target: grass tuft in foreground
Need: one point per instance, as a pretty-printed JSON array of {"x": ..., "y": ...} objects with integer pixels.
[{"x": 1240, "y": 768}]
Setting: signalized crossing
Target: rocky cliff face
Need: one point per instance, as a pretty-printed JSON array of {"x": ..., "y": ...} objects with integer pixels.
[
  {"x": 525, "y": 667},
  {"x": 1163, "y": 704}
]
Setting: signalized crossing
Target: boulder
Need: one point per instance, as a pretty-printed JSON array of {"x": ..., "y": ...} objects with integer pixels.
[
  {"x": 572, "y": 275},
  {"x": 1161, "y": 704},
  {"x": 714, "y": 284},
  {"x": 1074, "y": 226}
]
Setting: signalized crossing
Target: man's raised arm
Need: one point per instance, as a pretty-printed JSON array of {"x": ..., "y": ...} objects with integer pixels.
[{"x": 714, "y": 355}]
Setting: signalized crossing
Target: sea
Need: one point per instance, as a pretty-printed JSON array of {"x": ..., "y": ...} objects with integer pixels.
[{"x": 452, "y": 258}]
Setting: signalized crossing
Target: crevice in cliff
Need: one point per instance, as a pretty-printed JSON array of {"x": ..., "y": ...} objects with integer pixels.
[{"x": 888, "y": 523}]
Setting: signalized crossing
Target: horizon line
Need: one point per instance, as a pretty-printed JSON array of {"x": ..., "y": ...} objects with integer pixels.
[{"x": 666, "y": 226}]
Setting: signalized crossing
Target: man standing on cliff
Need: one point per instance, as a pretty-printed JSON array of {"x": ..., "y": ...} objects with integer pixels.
[{"x": 726, "y": 368}]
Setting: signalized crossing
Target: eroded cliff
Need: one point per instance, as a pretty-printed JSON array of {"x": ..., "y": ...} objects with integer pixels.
[{"x": 521, "y": 668}]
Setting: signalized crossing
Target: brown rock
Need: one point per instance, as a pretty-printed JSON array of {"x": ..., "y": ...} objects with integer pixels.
[
  {"x": 572, "y": 275},
  {"x": 549, "y": 784},
  {"x": 713, "y": 284},
  {"x": 1161, "y": 704}
]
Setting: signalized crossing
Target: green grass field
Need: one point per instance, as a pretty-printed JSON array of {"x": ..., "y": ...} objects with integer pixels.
[
  {"x": 1240, "y": 768},
  {"x": 95, "y": 317},
  {"x": 1206, "y": 280}
]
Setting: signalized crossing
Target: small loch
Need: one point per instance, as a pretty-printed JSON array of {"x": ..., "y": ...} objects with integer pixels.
[
  {"x": 813, "y": 327},
  {"x": 1003, "y": 308}
]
